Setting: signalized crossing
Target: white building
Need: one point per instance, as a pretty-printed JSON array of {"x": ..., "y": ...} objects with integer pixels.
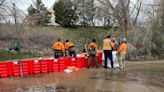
[{"x": 52, "y": 21}]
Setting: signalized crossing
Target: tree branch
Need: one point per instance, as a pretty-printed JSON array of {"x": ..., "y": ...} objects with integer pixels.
[
  {"x": 2, "y": 1},
  {"x": 138, "y": 12},
  {"x": 115, "y": 14}
]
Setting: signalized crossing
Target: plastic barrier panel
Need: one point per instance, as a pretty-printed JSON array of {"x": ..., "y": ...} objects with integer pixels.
[
  {"x": 55, "y": 65},
  {"x": 16, "y": 68},
  {"x": 27, "y": 67},
  {"x": 36, "y": 67},
  {"x": 45, "y": 65},
  {"x": 81, "y": 62},
  {"x": 85, "y": 61},
  {"x": 83, "y": 55},
  {"x": 68, "y": 60},
  {"x": 99, "y": 57},
  {"x": 73, "y": 62},
  {"x": 50, "y": 64},
  {"x": 10, "y": 70},
  {"x": 5, "y": 69},
  {"x": 62, "y": 64}
]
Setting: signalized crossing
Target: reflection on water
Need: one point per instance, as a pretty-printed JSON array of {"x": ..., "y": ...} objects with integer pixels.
[
  {"x": 135, "y": 78},
  {"x": 52, "y": 88}
]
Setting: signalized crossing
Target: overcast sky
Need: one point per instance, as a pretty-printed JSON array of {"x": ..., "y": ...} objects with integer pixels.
[
  {"x": 48, "y": 3},
  {"x": 24, "y": 4}
]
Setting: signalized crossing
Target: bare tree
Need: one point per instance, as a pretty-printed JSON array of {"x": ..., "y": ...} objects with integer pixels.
[
  {"x": 162, "y": 15},
  {"x": 1, "y": 2},
  {"x": 86, "y": 12},
  {"x": 104, "y": 14},
  {"x": 121, "y": 10}
]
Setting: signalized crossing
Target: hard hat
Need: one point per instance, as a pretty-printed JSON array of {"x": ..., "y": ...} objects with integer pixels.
[
  {"x": 120, "y": 39},
  {"x": 93, "y": 40},
  {"x": 124, "y": 39}
]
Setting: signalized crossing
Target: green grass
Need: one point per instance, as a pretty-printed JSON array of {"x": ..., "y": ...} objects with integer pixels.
[
  {"x": 41, "y": 38},
  {"x": 11, "y": 55},
  {"x": 80, "y": 36}
]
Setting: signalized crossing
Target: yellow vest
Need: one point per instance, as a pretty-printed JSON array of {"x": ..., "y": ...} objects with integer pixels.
[
  {"x": 58, "y": 46},
  {"x": 94, "y": 45},
  {"x": 68, "y": 44},
  {"x": 107, "y": 44},
  {"x": 122, "y": 48}
]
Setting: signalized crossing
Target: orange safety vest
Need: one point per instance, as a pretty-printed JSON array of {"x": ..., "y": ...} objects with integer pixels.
[
  {"x": 58, "y": 46},
  {"x": 122, "y": 48},
  {"x": 107, "y": 44},
  {"x": 68, "y": 44},
  {"x": 94, "y": 45}
]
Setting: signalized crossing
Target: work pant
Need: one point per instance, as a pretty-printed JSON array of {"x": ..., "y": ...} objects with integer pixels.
[
  {"x": 94, "y": 57},
  {"x": 66, "y": 52},
  {"x": 121, "y": 60},
  {"x": 70, "y": 52},
  {"x": 58, "y": 53},
  {"x": 108, "y": 54},
  {"x": 124, "y": 61}
]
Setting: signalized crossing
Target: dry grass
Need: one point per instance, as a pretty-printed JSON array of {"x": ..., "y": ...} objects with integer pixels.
[{"x": 41, "y": 38}]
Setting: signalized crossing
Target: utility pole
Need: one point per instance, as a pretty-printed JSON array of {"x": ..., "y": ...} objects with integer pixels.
[
  {"x": 84, "y": 13},
  {"x": 15, "y": 16},
  {"x": 18, "y": 36}
]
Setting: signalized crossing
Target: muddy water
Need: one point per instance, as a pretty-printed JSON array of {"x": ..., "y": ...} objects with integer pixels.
[{"x": 137, "y": 77}]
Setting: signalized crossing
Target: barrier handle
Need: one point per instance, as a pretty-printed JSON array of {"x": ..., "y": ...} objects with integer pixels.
[{"x": 20, "y": 65}]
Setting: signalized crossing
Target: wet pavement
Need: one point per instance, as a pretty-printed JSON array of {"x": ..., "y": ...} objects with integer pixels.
[{"x": 137, "y": 77}]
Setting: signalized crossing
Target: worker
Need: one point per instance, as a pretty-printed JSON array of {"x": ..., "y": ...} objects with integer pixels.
[
  {"x": 85, "y": 47},
  {"x": 121, "y": 53},
  {"x": 15, "y": 46},
  {"x": 125, "y": 54},
  {"x": 69, "y": 49},
  {"x": 125, "y": 40},
  {"x": 92, "y": 51},
  {"x": 113, "y": 40},
  {"x": 58, "y": 48},
  {"x": 107, "y": 48}
]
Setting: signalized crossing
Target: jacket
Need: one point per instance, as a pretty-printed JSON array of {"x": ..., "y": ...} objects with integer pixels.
[
  {"x": 94, "y": 45},
  {"x": 107, "y": 44},
  {"x": 68, "y": 45},
  {"x": 122, "y": 48},
  {"x": 58, "y": 46}
]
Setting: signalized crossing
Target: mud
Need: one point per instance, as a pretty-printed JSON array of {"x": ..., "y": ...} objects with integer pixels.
[{"x": 137, "y": 77}]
